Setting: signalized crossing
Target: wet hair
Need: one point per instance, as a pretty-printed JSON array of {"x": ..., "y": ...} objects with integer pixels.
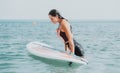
[{"x": 54, "y": 13}]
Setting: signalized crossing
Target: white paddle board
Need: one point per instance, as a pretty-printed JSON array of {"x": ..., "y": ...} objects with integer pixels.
[{"x": 46, "y": 51}]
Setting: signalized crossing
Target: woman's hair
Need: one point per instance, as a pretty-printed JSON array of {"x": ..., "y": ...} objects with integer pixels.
[{"x": 54, "y": 13}]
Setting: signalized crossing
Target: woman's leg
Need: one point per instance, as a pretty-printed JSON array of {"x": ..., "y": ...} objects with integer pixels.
[{"x": 79, "y": 51}]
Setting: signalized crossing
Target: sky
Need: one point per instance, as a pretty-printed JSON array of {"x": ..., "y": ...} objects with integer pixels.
[{"x": 70, "y": 9}]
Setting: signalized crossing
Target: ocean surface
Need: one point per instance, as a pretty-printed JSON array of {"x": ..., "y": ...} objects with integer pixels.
[{"x": 100, "y": 40}]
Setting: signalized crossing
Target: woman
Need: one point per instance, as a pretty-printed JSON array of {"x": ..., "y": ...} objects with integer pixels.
[{"x": 65, "y": 33}]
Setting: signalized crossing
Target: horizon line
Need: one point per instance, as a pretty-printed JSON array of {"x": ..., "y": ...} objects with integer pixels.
[{"x": 71, "y": 20}]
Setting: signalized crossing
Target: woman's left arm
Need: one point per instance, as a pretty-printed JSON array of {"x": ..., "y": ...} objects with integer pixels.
[{"x": 66, "y": 27}]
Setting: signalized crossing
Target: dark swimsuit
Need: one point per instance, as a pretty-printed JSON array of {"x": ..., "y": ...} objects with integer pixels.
[{"x": 78, "y": 48}]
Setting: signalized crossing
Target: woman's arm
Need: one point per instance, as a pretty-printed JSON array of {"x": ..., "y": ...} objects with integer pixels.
[
  {"x": 58, "y": 34},
  {"x": 66, "y": 27}
]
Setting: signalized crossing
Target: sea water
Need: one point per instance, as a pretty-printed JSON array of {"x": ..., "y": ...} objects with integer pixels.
[{"x": 100, "y": 40}]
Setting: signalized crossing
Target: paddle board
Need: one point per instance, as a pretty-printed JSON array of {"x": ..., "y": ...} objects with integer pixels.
[{"x": 46, "y": 51}]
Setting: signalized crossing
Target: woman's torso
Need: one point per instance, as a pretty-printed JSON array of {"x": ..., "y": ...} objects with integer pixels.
[{"x": 62, "y": 32}]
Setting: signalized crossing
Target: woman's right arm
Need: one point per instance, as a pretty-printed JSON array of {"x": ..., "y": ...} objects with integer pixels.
[{"x": 58, "y": 34}]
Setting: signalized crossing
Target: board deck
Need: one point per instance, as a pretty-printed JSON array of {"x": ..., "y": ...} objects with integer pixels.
[{"x": 43, "y": 50}]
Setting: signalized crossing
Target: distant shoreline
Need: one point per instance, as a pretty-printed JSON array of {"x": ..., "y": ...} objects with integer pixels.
[{"x": 45, "y": 20}]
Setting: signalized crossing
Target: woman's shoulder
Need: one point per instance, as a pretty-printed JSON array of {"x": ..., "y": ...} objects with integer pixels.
[{"x": 64, "y": 22}]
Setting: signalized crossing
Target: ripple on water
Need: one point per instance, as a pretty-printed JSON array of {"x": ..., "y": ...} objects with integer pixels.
[{"x": 100, "y": 40}]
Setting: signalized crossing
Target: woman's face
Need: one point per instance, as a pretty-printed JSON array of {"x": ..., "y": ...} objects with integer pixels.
[{"x": 54, "y": 19}]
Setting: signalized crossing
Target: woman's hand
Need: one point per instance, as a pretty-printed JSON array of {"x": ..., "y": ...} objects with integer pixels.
[
  {"x": 66, "y": 47},
  {"x": 58, "y": 31}
]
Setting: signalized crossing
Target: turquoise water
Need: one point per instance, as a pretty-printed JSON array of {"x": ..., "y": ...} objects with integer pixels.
[{"x": 101, "y": 41}]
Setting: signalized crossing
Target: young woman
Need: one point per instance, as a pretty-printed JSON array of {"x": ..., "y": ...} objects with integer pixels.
[{"x": 64, "y": 31}]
